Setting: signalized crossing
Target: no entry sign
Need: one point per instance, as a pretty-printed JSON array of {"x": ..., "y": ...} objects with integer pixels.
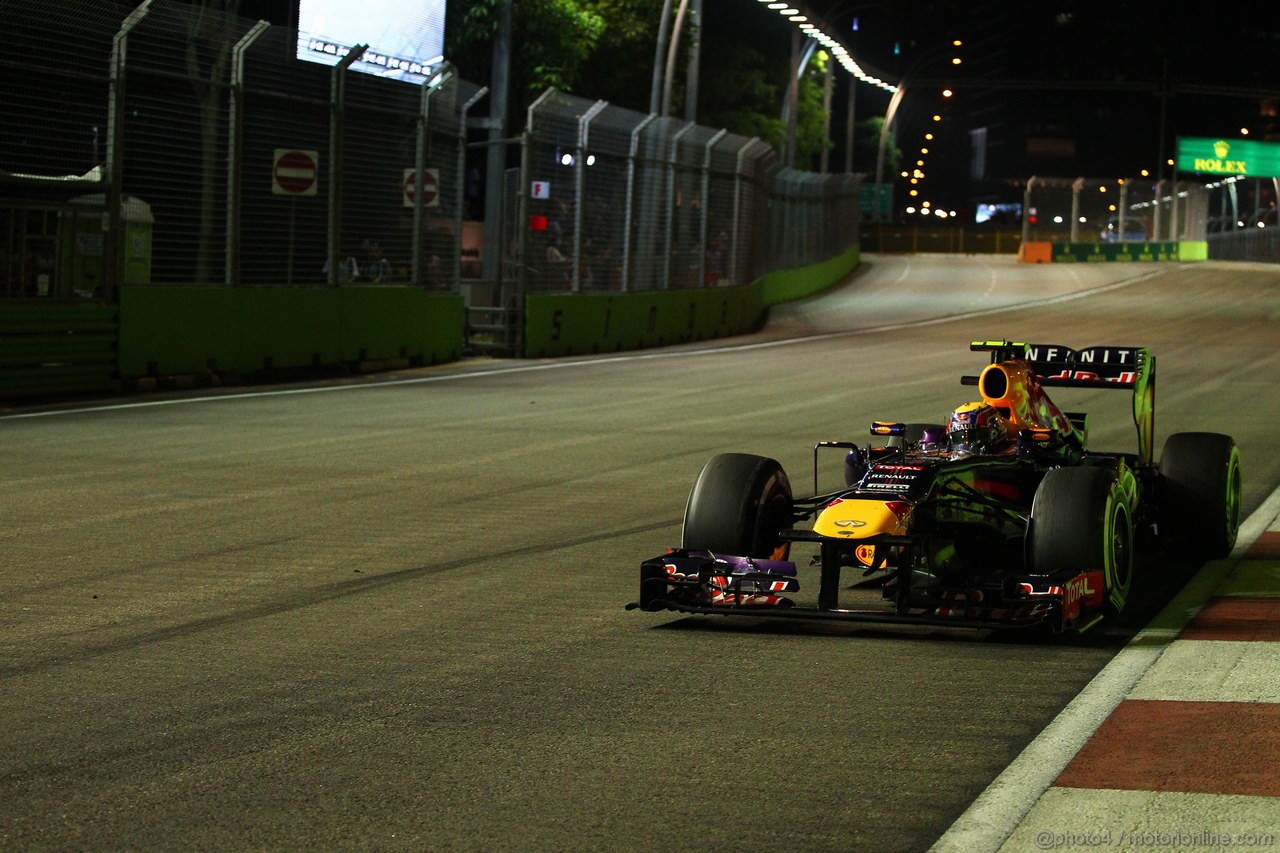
[
  {"x": 430, "y": 187},
  {"x": 295, "y": 172}
]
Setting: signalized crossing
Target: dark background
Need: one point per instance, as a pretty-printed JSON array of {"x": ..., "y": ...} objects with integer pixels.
[{"x": 1061, "y": 88}]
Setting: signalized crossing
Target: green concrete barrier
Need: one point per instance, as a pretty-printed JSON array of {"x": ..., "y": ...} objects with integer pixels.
[
  {"x": 168, "y": 330},
  {"x": 787, "y": 285},
  {"x": 57, "y": 347},
  {"x": 172, "y": 330},
  {"x": 1193, "y": 250},
  {"x": 561, "y": 324}
]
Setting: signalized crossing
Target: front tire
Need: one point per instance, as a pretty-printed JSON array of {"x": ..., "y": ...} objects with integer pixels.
[
  {"x": 739, "y": 505},
  {"x": 1200, "y": 489},
  {"x": 1081, "y": 522}
]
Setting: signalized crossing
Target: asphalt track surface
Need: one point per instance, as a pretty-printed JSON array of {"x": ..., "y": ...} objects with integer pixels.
[{"x": 388, "y": 613}]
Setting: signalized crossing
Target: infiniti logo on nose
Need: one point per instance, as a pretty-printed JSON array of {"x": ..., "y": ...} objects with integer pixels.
[{"x": 850, "y": 522}]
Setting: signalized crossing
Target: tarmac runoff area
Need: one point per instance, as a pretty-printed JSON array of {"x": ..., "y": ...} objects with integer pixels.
[{"x": 1175, "y": 744}]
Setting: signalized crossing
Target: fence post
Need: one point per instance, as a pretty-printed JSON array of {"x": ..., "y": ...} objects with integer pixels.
[
  {"x": 337, "y": 106},
  {"x": 1122, "y": 210},
  {"x": 521, "y": 236},
  {"x": 579, "y": 190},
  {"x": 461, "y": 183},
  {"x": 235, "y": 150},
  {"x": 672, "y": 159},
  {"x": 113, "y": 262},
  {"x": 429, "y": 90},
  {"x": 739, "y": 178},
  {"x": 1026, "y": 210},
  {"x": 1077, "y": 186},
  {"x": 706, "y": 203},
  {"x": 1175, "y": 229},
  {"x": 633, "y": 151},
  {"x": 1157, "y": 212}
]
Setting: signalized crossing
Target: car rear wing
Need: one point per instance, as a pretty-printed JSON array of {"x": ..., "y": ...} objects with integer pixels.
[{"x": 1057, "y": 366}]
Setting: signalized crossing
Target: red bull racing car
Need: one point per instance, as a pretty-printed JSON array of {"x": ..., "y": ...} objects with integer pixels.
[{"x": 1002, "y": 517}]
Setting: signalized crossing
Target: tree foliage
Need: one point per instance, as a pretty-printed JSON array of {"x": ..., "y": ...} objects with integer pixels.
[
  {"x": 605, "y": 50},
  {"x": 867, "y": 148},
  {"x": 552, "y": 41}
]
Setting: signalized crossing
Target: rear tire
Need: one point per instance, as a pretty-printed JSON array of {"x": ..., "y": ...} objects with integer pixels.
[
  {"x": 1200, "y": 488},
  {"x": 1080, "y": 522},
  {"x": 739, "y": 505}
]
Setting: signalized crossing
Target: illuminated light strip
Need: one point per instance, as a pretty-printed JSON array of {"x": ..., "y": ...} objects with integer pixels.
[{"x": 838, "y": 51}]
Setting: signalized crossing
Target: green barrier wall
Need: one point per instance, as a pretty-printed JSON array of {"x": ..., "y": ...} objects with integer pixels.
[
  {"x": 582, "y": 323},
  {"x": 55, "y": 347},
  {"x": 560, "y": 324},
  {"x": 1193, "y": 250},
  {"x": 1186, "y": 250},
  {"x": 162, "y": 331},
  {"x": 788, "y": 285},
  {"x": 237, "y": 330}
]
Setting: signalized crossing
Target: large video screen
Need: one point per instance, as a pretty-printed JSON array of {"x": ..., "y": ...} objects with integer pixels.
[{"x": 405, "y": 37}]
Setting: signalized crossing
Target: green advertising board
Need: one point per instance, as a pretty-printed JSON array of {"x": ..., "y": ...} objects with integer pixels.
[{"x": 1229, "y": 157}]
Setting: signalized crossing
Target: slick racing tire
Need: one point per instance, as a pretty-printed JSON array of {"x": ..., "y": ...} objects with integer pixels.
[
  {"x": 1200, "y": 488},
  {"x": 738, "y": 505},
  {"x": 1081, "y": 522}
]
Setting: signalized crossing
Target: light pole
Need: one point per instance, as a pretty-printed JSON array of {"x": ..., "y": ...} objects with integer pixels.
[
  {"x": 664, "y": 31},
  {"x": 672, "y": 49},
  {"x": 496, "y": 156}
]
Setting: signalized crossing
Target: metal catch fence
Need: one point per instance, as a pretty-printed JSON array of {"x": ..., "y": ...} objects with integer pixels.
[
  {"x": 626, "y": 201},
  {"x": 1116, "y": 210},
  {"x": 216, "y": 157},
  {"x": 174, "y": 144}
]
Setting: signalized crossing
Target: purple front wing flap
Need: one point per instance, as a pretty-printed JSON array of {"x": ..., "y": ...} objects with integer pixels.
[
  {"x": 744, "y": 565},
  {"x": 702, "y": 578}
]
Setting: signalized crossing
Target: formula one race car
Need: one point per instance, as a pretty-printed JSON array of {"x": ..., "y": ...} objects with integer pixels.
[{"x": 1003, "y": 517}]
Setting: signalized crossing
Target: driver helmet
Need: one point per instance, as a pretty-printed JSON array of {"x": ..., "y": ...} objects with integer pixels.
[{"x": 975, "y": 428}]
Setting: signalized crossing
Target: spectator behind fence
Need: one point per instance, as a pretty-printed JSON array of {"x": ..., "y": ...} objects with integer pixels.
[
  {"x": 348, "y": 270},
  {"x": 376, "y": 265}
]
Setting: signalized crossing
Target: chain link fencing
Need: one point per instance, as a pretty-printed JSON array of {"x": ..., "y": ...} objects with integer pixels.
[
  {"x": 1243, "y": 224},
  {"x": 54, "y": 95},
  {"x": 626, "y": 201},
  {"x": 174, "y": 144},
  {"x": 1116, "y": 210}
]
